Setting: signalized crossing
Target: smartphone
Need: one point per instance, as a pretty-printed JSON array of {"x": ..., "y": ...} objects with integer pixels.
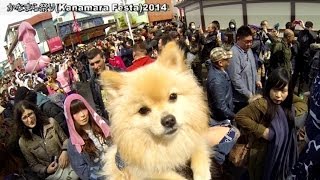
[{"x": 54, "y": 159}]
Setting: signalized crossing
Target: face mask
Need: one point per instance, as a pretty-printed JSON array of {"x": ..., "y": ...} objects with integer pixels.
[
  {"x": 232, "y": 26},
  {"x": 193, "y": 27}
]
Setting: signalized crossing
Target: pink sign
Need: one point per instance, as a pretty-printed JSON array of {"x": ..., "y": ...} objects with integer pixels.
[{"x": 55, "y": 44}]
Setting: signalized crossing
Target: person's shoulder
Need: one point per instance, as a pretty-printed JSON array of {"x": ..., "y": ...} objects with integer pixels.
[
  {"x": 70, "y": 147},
  {"x": 150, "y": 59},
  {"x": 234, "y": 49},
  {"x": 277, "y": 45},
  {"x": 52, "y": 121},
  {"x": 212, "y": 70},
  {"x": 259, "y": 102},
  {"x": 215, "y": 76},
  {"x": 92, "y": 79},
  {"x": 22, "y": 141}
]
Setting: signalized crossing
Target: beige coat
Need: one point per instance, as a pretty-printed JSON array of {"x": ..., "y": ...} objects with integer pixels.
[{"x": 38, "y": 151}]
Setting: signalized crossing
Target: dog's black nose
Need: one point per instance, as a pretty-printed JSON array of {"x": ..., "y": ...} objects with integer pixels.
[{"x": 168, "y": 121}]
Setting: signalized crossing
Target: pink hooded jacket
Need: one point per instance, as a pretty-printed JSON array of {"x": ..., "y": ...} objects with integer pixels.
[
  {"x": 75, "y": 138},
  {"x": 64, "y": 78},
  {"x": 117, "y": 62}
]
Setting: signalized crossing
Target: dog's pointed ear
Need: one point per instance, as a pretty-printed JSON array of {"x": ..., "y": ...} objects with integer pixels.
[
  {"x": 112, "y": 82},
  {"x": 172, "y": 57}
]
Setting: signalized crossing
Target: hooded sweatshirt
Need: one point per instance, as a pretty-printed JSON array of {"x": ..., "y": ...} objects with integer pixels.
[
  {"x": 233, "y": 29},
  {"x": 74, "y": 136},
  {"x": 83, "y": 165}
]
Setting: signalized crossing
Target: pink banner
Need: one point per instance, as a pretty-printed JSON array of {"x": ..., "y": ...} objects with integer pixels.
[{"x": 55, "y": 44}]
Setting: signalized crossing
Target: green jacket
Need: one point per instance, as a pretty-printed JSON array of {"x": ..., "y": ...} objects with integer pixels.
[
  {"x": 281, "y": 56},
  {"x": 250, "y": 121}
]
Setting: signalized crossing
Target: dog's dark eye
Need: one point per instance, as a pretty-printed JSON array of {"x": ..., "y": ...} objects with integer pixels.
[
  {"x": 173, "y": 97},
  {"x": 144, "y": 110}
]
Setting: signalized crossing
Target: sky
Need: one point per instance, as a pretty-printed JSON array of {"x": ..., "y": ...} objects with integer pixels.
[
  {"x": 8, "y": 18},
  {"x": 14, "y": 16}
]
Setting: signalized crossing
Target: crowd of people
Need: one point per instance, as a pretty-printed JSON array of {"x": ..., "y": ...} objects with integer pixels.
[{"x": 47, "y": 128}]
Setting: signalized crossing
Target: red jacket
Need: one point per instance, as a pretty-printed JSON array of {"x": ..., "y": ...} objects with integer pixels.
[
  {"x": 140, "y": 62},
  {"x": 117, "y": 62}
]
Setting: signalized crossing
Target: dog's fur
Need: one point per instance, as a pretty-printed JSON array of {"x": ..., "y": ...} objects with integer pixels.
[{"x": 145, "y": 145}]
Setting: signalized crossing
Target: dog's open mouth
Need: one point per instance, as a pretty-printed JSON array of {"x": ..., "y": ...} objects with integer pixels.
[{"x": 170, "y": 131}]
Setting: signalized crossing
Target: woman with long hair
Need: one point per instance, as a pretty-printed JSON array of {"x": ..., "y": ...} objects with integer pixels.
[
  {"x": 89, "y": 136},
  {"x": 269, "y": 123},
  {"x": 41, "y": 139}
]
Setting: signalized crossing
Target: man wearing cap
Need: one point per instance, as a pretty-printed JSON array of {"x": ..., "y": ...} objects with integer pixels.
[
  {"x": 219, "y": 89},
  {"x": 219, "y": 92}
]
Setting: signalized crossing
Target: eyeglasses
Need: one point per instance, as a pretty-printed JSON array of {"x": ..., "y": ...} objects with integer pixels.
[
  {"x": 247, "y": 41},
  {"x": 30, "y": 114}
]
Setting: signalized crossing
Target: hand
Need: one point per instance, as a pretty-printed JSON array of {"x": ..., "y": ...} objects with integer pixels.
[
  {"x": 201, "y": 30},
  {"x": 259, "y": 84},
  {"x": 155, "y": 53},
  {"x": 265, "y": 29},
  {"x": 63, "y": 159},
  {"x": 187, "y": 42},
  {"x": 302, "y": 24},
  {"x": 266, "y": 134},
  {"x": 52, "y": 168}
]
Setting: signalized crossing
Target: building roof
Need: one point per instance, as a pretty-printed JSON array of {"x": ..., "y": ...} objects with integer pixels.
[
  {"x": 33, "y": 20},
  {"x": 91, "y": 16},
  {"x": 39, "y": 18}
]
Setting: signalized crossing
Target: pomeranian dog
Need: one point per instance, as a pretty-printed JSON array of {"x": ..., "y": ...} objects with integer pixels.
[{"x": 158, "y": 120}]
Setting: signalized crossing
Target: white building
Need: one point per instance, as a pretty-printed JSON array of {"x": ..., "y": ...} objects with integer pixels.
[{"x": 246, "y": 12}]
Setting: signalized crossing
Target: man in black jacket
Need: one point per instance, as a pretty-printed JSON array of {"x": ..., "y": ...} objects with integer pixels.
[
  {"x": 96, "y": 60},
  {"x": 209, "y": 41},
  {"x": 305, "y": 38}
]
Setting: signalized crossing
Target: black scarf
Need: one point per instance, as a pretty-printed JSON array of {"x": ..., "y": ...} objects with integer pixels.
[{"x": 282, "y": 149}]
